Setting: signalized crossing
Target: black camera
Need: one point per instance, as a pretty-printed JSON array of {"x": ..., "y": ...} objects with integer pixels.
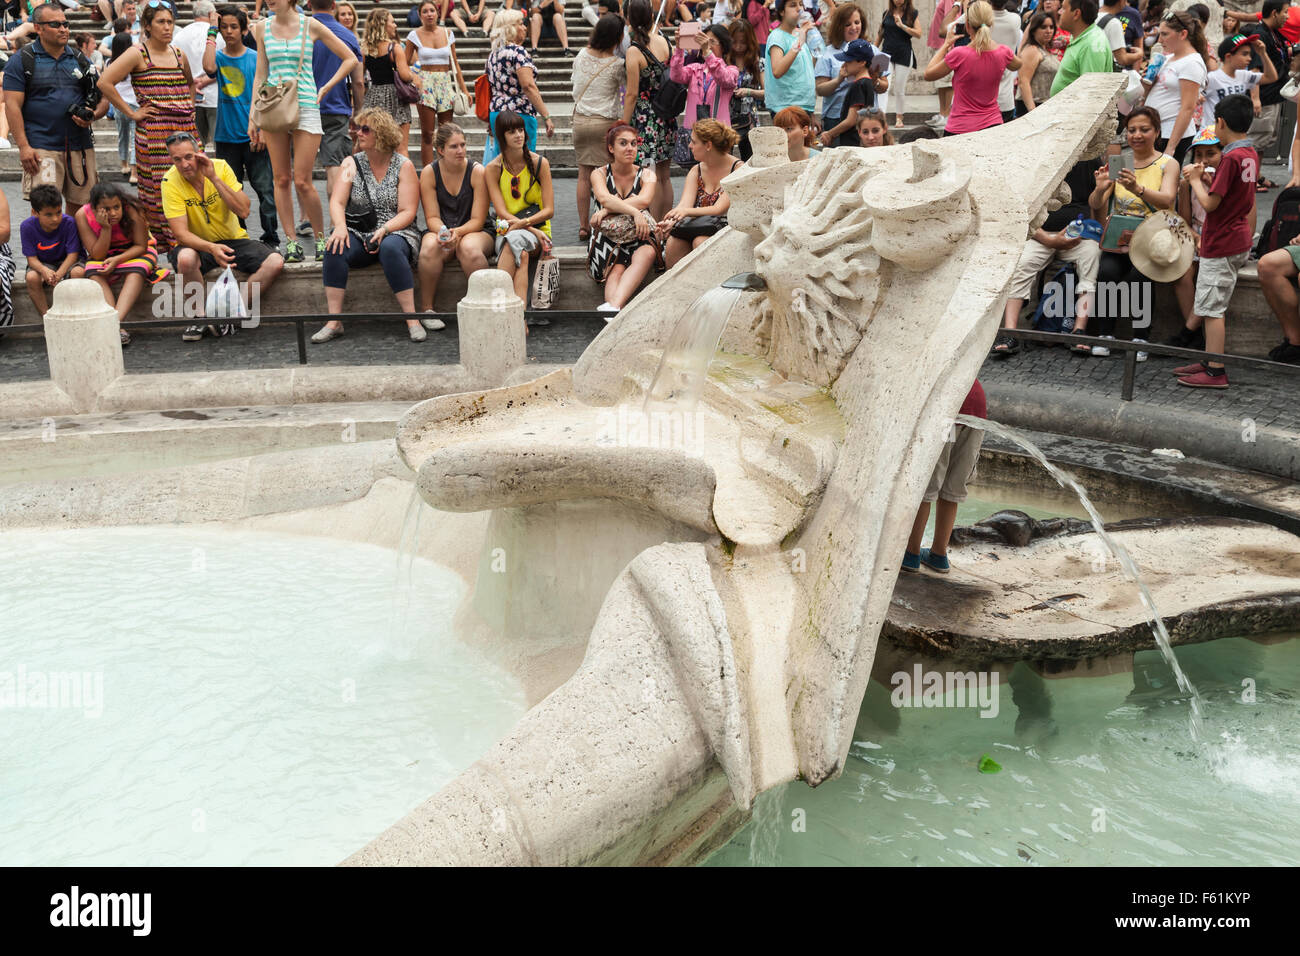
[{"x": 90, "y": 97}]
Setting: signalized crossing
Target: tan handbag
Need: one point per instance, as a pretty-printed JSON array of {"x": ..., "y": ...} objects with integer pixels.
[
  {"x": 463, "y": 105},
  {"x": 275, "y": 106}
]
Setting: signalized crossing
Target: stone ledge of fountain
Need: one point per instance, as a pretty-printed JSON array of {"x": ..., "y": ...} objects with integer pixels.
[
  {"x": 1061, "y": 597},
  {"x": 1273, "y": 451}
]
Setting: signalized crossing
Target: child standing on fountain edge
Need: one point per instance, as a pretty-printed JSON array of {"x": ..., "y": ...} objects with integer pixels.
[{"x": 955, "y": 468}]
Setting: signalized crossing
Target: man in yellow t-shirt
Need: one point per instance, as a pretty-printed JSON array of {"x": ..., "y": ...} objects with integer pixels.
[{"x": 204, "y": 203}]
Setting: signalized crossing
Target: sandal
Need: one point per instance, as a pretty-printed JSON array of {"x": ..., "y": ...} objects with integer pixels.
[
  {"x": 1082, "y": 349},
  {"x": 1264, "y": 185},
  {"x": 126, "y": 337},
  {"x": 1005, "y": 346},
  {"x": 584, "y": 235}
]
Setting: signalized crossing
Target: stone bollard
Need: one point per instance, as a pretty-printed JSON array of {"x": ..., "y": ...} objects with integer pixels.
[
  {"x": 82, "y": 342},
  {"x": 491, "y": 320}
]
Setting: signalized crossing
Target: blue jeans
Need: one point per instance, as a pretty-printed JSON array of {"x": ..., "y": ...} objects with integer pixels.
[
  {"x": 125, "y": 138},
  {"x": 254, "y": 167},
  {"x": 530, "y": 130},
  {"x": 394, "y": 256}
]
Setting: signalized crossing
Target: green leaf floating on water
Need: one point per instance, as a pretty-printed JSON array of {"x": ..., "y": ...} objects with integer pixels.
[{"x": 989, "y": 765}]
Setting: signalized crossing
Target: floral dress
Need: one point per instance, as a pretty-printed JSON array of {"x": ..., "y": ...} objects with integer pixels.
[{"x": 657, "y": 134}]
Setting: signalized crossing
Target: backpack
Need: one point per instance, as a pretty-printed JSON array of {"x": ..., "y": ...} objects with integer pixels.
[
  {"x": 413, "y": 16},
  {"x": 483, "y": 98},
  {"x": 28, "y": 54},
  {"x": 1101, "y": 25},
  {"x": 1283, "y": 225},
  {"x": 1058, "y": 292},
  {"x": 670, "y": 100}
]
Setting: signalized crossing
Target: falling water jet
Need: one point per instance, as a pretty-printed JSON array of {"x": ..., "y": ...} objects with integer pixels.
[
  {"x": 679, "y": 379},
  {"x": 1126, "y": 563}
]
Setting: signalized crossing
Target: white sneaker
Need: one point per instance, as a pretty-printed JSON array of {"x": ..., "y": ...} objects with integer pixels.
[
  {"x": 433, "y": 325},
  {"x": 5, "y": 144},
  {"x": 1142, "y": 356},
  {"x": 937, "y": 121},
  {"x": 1100, "y": 351},
  {"x": 417, "y": 334},
  {"x": 606, "y": 307}
]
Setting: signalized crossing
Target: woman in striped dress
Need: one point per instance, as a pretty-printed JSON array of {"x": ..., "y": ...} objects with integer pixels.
[
  {"x": 284, "y": 52},
  {"x": 165, "y": 91}
]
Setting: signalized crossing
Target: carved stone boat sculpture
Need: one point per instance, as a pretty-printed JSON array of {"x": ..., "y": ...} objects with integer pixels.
[{"x": 733, "y": 581}]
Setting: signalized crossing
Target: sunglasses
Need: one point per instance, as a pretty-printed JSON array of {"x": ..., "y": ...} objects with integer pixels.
[
  {"x": 365, "y": 128},
  {"x": 514, "y": 186},
  {"x": 54, "y": 24}
]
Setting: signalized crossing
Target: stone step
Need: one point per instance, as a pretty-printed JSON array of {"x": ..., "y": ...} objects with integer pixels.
[
  {"x": 300, "y": 290},
  {"x": 476, "y": 136}
]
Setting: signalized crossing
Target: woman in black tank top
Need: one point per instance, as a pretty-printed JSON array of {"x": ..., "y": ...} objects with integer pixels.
[{"x": 455, "y": 199}]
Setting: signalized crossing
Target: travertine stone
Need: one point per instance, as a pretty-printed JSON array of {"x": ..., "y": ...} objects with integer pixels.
[
  {"x": 491, "y": 323},
  {"x": 82, "y": 342}
]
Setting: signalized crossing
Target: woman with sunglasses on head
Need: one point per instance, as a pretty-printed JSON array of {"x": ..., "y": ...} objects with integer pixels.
[
  {"x": 165, "y": 91},
  {"x": 523, "y": 196},
  {"x": 372, "y": 209},
  {"x": 625, "y": 245},
  {"x": 454, "y": 193},
  {"x": 1178, "y": 85},
  {"x": 284, "y": 44},
  {"x": 709, "y": 84}
]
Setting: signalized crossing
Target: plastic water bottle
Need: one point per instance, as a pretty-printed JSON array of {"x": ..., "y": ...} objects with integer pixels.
[
  {"x": 1075, "y": 229},
  {"x": 1153, "y": 68},
  {"x": 444, "y": 235}
]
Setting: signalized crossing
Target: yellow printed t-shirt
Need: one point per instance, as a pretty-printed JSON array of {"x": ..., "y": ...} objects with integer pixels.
[{"x": 208, "y": 216}]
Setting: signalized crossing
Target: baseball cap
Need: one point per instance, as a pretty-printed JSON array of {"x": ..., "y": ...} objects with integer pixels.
[
  {"x": 1205, "y": 137},
  {"x": 1236, "y": 42},
  {"x": 859, "y": 50}
]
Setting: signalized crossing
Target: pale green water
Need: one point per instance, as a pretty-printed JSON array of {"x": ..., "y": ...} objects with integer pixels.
[
  {"x": 1098, "y": 771},
  {"x": 245, "y": 704},
  {"x": 1110, "y": 778}
]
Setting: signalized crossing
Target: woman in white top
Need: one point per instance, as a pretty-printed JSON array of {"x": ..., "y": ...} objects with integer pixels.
[
  {"x": 431, "y": 51},
  {"x": 1179, "y": 83},
  {"x": 597, "y": 76}
]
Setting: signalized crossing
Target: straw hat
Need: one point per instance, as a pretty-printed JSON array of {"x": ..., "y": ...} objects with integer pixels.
[{"x": 1162, "y": 247}]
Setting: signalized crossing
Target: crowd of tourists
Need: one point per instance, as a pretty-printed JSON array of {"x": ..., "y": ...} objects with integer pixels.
[{"x": 659, "y": 87}]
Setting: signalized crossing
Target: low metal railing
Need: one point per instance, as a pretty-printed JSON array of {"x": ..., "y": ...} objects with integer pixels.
[
  {"x": 534, "y": 317},
  {"x": 1131, "y": 349}
]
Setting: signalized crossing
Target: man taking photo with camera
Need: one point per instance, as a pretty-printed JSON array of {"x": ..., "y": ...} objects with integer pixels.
[{"x": 51, "y": 101}]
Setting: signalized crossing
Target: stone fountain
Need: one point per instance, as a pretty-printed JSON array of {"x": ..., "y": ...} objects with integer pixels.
[{"x": 733, "y": 580}]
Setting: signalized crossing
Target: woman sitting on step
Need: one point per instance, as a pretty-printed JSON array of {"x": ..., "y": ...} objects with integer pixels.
[
  {"x": 519, "y": 184},
  {"x": 454, "y": 192},
  {"x": 373, "y": 209},
  {"x": 702, "y": 211},
  {"x": 624, "y": 244}
]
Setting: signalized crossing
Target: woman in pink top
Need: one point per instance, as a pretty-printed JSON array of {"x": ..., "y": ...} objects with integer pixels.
[
  {"x": 708, "y": 84},
  {"x": 976, "y": 72},
  {"x": 760, "y": 18}
]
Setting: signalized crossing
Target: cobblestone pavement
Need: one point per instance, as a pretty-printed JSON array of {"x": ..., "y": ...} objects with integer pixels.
[{"x": 1056, "y": 376}]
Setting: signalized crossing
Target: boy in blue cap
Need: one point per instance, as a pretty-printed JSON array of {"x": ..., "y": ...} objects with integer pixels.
[{"x": 861, "y": 94}]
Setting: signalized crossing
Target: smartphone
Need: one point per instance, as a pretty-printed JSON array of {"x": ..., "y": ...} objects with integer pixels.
[
  {"x": 688, "y": 35},
  {"x": 1113, "y": 165}
]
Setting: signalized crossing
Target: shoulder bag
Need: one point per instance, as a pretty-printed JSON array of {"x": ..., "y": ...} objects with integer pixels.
[
  {"x": 406, "y": 92},
  {"x": 670, "y": 99},
  {"x": 461, "y": 105},
  {"x": 363, "y": 223},
  {"x": 275, "y": 105}
]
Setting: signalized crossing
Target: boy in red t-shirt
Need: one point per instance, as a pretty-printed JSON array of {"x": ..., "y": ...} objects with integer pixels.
[{"x": 1226, "y": 237}]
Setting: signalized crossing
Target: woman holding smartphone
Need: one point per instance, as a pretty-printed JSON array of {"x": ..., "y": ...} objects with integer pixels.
[
  {"x": 1151, "y": 185},
  {"x": 709, "y": 83}
]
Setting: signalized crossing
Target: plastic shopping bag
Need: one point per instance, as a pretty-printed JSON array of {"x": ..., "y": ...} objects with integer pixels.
[{"x": 224, "y": 298}]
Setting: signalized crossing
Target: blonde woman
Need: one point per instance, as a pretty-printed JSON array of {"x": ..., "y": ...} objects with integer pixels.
[
  {"x": 513, "y": 80},
  {"x": 373, "y": 208},
  {"x": 976, "y": 72},
  {"x": 346, "y": 15},
  {"x": 384, "y": 58}
]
